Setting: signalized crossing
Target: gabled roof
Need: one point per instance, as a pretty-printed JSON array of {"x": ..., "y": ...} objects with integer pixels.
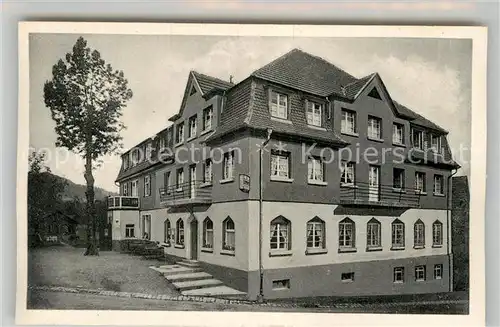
[
  {"x": 205, "y": 83},
  {"x": 302, "y": 71}
]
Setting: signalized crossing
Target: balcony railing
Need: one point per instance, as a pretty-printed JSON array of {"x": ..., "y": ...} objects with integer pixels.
[
  {"x": 195, "y": 192},
  {"x": 379, "y": 195},
  {"x": 123, "y": 202}
]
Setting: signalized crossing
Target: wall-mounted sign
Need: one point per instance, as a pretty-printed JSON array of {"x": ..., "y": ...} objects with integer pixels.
[{"x": 245, "y": 183}]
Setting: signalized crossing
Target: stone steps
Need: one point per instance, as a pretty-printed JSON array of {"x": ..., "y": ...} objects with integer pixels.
[
  {"x": 222, "y": 290},
  {"x": 187, "y": 276},
  {"x": 196, "y": 284},
  {"x": 189, "y": 279}
]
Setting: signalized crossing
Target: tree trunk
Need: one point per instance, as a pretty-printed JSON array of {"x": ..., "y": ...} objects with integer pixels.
[{"x": 92, "y": 248}]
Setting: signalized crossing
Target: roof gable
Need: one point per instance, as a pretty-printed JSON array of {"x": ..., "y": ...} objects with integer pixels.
[{"x": 303, "y": 71}]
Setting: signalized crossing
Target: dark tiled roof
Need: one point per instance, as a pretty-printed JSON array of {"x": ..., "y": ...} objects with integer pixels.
[
  {"x": 352, "y": 89},
  {"x": 428, "y": 157},
  {"x": 208, "y": 83},
  {"x": 302, "y": 71}
]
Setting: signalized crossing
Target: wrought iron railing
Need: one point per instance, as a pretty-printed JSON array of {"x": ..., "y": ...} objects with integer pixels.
[
  {"x": 194, "y": 191},
  {"x": 123, "y": 202},
  {"x": 380, "y": 195}
]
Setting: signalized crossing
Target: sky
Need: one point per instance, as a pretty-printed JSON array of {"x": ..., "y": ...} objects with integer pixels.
[{"x": 430, "y": 76}]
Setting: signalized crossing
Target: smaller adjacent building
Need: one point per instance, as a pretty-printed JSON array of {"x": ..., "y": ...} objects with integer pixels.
[
  {"x": 56, "y": 227},
  {"x": 460, "y": 232}
]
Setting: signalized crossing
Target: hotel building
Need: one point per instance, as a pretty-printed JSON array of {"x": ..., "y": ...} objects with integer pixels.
[{"x": 300, "y": 180}]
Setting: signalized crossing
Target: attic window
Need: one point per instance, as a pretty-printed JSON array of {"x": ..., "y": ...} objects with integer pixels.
[
  {"x": 193, "y": 90},
  {"x": 374, "y": 94}
]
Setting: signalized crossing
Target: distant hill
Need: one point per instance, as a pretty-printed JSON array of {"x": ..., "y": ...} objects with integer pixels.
[{"x": 73, "y": 190}]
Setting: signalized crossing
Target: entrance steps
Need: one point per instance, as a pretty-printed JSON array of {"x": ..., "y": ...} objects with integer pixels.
[{"x": 188, "y": 278}]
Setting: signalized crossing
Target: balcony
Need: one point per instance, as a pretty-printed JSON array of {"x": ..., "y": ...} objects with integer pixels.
[
  {"x": 123, "y": 202},
  {"x": 364, "y": 194},
  {"x": 189, "y": 193}
]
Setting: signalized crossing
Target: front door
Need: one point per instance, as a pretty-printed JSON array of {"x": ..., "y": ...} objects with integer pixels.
[
  {"x": 194, "y": 240},
  {"x": 192, "y": 181},
  {"x": 374, "y": 184}
]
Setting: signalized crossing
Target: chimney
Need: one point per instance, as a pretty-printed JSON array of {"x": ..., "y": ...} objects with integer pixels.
[{"x": 230, "y": 78}]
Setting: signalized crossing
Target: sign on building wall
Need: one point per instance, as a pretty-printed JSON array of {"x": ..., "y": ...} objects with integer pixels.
[{"x": 245, "y": 183}]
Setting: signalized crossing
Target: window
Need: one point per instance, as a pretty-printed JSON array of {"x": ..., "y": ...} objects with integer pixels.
[
  {"x": 417, "y": 139},
  {"x": 347, "y": 277},
  {"x": 162, "y": 142},
  {"x": 208, "y": 114},
  {"x": 149, "y": 151},
  {"x": 438, "y": 184},
  {"x": 282, "y": 284},
  {"x": 179, "y": 179},
  {"x": 399, "y": 275},
  {"x": 279, "y": 105},
  {"x": 134, "y": 186},
  {"x": 398, "y": 179},
  {"x": 207, "y": 171},
  {"x": 228, "y": 234},
  {"x": 436, "y": 143},
  {"x": 419, "y": 234},
  {"x": 135, "y": 156},
  {"x": 398, "y": 134},
  {"x": 398, "y": 234},
  {"x": 374, "y": 128},
  {"x": 179, "y": 232},
  {"x": 280, "y": 164},
  {"x": 437, "y": 233},
  {"x": 125, "y": 162},
  {"x": 167, "y": 232},
  {"x": 420, "y": 273},
  {"x": 438, "y": 271},
  {"x": 373, "y": 234},
  {"x": 420, "y": 182},
  {"x": 316, "y": 233},
  {"x": 208, "y": 233},
  {"x": 315, "y": 170},
  {"x": 228, "y": 165},
  {"x": 348, "y": 124},
  {"x": 179, "y": 137},
  {"x": 192, "y": 126},
  {"x": 348, "y": 173},
  {"x": 166, "y": 182},
  {"x": 129, "y": 230},
  {"x": 125, "y": 189},
  {"x": 280, "y": 233},
  {"x": 314, "y": 113},
  {"x": 147, "y": 185},
  {"x": 346, "y": 234}
]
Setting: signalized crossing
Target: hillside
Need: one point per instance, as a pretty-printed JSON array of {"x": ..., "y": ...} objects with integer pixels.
[{"x": 73, "y": 190}]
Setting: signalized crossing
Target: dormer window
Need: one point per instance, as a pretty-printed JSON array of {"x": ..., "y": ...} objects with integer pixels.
[
  {"x": 162, "y": 143},
  {"x": 208, "y": 114},
  {"x": 192, "y": 127},
  {"x": 417, "y": 139},
  {"x": 179, "y": 137},
  {"x": 397, "y": 133},
  {"x": 279, "y": 105},
  {"x": 125, "y": 162},
  {"x": 149, "y": 151},
  {"x": 135, "y": 156},
  {"x": 436, "y": 143},
  {"x": 314, "y": 113}
]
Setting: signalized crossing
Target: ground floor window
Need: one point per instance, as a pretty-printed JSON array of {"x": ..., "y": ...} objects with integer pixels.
[
  {"x": 228, "y": 234},
  {"x": 399, "y": 274},
  {"x": 280, "y": 234},
  {"x": 129, "y": 230},
  {"x": 420, "y": 273},
  {"x": 438, "y": 271},
  {"x": 208, "y": 233},
  {"x": 168, "y": 232},
  {"x": 179, "y": 235},
  {"x": 316, "y": 233}
]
